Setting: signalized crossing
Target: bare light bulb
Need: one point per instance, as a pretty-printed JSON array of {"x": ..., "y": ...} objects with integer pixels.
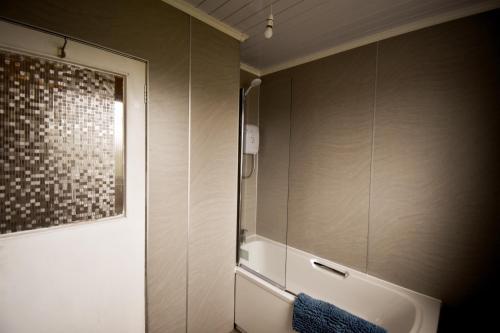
[{"x": 268, "y": 33}]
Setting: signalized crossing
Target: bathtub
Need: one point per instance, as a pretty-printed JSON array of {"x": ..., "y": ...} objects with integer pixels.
[
  {"x": 266, "y": 257},
  {"x": 262, "y": 306}
]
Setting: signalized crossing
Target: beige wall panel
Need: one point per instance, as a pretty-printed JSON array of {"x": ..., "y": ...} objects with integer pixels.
[
  {"x": 435, "y": 198},
  {"x": 274, "y": 125},
  {"x": 147, "y": 29},
  {"x": 332, "y": 114},
  {"x": 213, "y": 179},
  {"x": 249, "y": 186}
]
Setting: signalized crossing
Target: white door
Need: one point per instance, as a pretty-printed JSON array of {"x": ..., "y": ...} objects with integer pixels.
[{"x": 87, "y": 277}]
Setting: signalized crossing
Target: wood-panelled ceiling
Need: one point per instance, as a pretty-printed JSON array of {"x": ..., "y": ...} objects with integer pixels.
[{"x": 303, "y": 27}]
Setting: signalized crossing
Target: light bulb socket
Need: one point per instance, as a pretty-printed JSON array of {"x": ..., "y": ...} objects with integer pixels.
[
  {"x": 268, "y": 33},
  {"x": 270, "y": 20}
]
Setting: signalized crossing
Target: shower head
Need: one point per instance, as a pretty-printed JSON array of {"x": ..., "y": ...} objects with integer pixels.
[{"x": 254, "y": 83}]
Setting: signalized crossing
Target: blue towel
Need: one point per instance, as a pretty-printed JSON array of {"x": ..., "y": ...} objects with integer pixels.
[{"x": 314, "y": 316}]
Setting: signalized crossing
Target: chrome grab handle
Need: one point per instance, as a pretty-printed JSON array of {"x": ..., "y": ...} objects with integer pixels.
[{"x": 331, "y": 269}]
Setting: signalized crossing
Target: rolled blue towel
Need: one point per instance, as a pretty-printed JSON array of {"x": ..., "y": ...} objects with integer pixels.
[{"x": 314, "y": 316}]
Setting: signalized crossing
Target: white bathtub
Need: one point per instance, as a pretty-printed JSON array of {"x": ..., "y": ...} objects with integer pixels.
[{"x": 262, "y": 307}]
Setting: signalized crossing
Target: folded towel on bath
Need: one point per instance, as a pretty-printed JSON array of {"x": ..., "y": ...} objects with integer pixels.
[{"x": 314, "y": 316}]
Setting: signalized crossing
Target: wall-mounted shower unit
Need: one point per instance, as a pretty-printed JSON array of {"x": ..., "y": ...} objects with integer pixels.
[
  {"x": 249, "y": 139},
  {"x": 250, "y": 145}
]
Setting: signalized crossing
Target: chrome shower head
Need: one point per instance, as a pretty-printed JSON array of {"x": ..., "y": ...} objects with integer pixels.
[{"x": 254, "y": 83}]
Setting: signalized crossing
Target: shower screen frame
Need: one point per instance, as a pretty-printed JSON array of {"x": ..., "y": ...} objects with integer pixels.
[{"x": 241, "y": 138}]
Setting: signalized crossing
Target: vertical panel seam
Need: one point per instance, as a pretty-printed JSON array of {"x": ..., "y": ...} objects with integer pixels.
[
  {"x": 189, "y": 172},
  {"x": 288, "y": 176},
  {"x": 370, "y": 189},
  {"x": 146, "y": 214}
]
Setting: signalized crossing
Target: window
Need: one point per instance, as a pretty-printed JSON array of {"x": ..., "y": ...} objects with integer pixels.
[{"x": 61, "y": 143}]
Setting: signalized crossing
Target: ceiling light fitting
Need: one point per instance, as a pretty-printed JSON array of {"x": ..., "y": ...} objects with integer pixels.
[{"x": 268, "y": 33}]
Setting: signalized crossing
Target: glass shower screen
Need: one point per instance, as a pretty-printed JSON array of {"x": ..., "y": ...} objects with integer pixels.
[{"x": 263, "y": 180}]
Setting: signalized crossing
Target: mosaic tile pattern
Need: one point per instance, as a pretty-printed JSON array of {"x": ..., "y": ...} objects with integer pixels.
[{"x": 59, "y": 157}]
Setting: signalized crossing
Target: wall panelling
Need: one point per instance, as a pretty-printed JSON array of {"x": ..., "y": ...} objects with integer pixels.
[
  {"x": 274, "y": 126},
  {"x": 332, "y": 114},
  {"x": 213, "y": 179}
]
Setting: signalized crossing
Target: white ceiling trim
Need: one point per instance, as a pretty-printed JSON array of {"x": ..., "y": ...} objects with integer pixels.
[
  {"x": 210, "y": 20},
  {"x": 250, "y": 69},
  {"x": 420, "y": 24}
]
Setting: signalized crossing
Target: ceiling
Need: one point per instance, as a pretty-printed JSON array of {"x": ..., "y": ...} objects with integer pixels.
[{"x": 305, "y": 27}]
